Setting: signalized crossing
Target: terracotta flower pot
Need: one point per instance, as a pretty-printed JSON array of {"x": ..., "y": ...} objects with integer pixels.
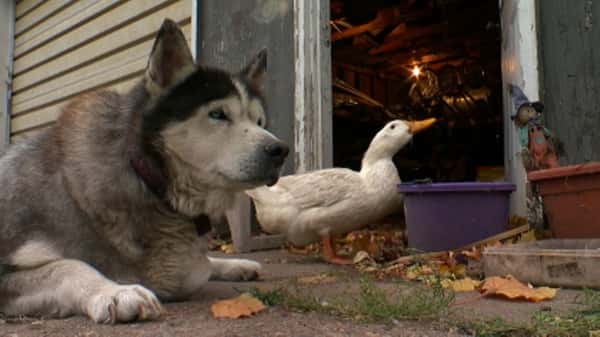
[{"x": 571, "y": 196}]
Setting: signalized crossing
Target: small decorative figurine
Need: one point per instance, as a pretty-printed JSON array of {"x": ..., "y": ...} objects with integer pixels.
[{"x": 540, "y": 147}]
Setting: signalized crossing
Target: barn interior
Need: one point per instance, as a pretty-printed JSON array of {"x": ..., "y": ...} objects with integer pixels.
[{"x": 415, "y": 59}]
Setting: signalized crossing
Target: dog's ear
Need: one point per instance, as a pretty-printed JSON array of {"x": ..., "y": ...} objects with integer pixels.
[
  {"x": 170, "y": 59},
  {"x": 255, "y": 71}
]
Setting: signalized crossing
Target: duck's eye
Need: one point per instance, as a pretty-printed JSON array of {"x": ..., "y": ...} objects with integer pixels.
[
  {"x": 218, "y": 114},
  {"x": 393, "y": 126}
]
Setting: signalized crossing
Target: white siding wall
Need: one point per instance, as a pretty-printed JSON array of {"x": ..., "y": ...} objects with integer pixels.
[{"x": 67, "y": 47}]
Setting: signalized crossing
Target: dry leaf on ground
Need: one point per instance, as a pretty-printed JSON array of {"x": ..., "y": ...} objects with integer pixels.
[
  {"x": 317, "y": 279},
  {"x": 475, "y": 253},
  {"x": 311, "y": 249},
  {"x": 457, "y": 270},
  {"x": 465, "y": 284},
  {"x": 241, "y": 306},
  {"x": 511, "y": 288},
  {"x": 528, "y": 236},
  {"x": 227, "y": 248}
]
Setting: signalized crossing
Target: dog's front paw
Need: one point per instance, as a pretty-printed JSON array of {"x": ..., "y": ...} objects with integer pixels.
[
  {"x": 235, "y": 269},
  {"x": 123, "y": 303},
  {"x": 245, "y": 270}
]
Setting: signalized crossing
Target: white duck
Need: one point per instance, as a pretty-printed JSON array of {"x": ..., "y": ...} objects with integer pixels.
[{"x": 322, "y": 203}]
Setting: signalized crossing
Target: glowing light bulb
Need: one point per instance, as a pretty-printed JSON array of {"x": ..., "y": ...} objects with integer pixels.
[{"x": 416, "y": 71}]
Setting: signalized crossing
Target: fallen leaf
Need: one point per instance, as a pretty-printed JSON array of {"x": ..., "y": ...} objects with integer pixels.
[
  {"x": 363, "y": 257},
  {"x": 517, "y": 221},
  {"x": 456, "y": 271},
  {"x": 527, "y": 236},
  {"x": 474, "y": 253},
  {"x": 418, "y": 272},
  {"x": 444, "y": 269},
  {"x": 465, "y": 284},
  {"x": 227, "y": 248},
  {"x": 311, "y": 249},
  {"x": 426, "y": 270},
  {"x": 450, "y": 259},
  {"x": 511, "y": 288},
  {"x": 411, "y": 275},
  {"x": 241, "y": 306},
  {"x": 317, "y": 279},
  {"x": 460, "y": 270}
]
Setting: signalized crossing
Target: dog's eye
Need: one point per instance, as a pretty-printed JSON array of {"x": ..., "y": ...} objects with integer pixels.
[
  {"x": 260, "y": 122},
  {"x": 218, "y": 114}
]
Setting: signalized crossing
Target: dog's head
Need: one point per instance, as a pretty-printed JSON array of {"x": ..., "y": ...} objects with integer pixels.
[{"x": 210, "y": 124}]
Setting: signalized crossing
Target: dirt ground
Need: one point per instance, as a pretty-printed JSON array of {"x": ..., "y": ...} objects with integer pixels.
[{"x": 192, "y": 318}]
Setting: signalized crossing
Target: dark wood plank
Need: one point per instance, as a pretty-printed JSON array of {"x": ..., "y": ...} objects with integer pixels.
[{"x": 570, "y": 61}]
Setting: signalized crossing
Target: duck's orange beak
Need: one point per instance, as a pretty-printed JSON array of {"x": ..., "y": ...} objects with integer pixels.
[{"x": 418, "y": 126}]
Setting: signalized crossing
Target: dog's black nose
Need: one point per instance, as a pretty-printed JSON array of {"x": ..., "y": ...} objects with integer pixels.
[{"x": 277, "y": 150}]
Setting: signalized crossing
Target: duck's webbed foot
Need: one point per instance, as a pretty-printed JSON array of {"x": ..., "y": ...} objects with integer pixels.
[{"x": 329, "y": 254}]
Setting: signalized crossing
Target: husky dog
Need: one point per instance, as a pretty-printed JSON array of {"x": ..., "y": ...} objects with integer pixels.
[{"x": 104, "y": 214}]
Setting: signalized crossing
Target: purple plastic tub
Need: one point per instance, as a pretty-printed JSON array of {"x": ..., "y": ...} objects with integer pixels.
[{"x": 445, "y": 216}]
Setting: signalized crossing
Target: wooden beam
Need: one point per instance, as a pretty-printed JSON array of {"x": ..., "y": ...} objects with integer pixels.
[
  {"x": 384, "y": 18},
  {"x": 429, "y": 59},
  {"x": 499, "y": 237},
  {"x": 365, "y": 70},
  {"x": 402, "y": 39},
  {"x": 420, "y": 61},
  {"x": 400, "y": 29},
  {"x": 337, "y": 83},
  {"x": 422, "y": 46}
]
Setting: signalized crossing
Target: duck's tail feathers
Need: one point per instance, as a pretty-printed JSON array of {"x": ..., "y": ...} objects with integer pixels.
[{"x": 259, "y": 194}]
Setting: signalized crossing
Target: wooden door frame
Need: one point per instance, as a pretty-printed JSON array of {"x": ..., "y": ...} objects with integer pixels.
[
  {"x": 6, "y": 62},
  {"x": 313, "y": 109},
  {"x": 520, "y": 66}
]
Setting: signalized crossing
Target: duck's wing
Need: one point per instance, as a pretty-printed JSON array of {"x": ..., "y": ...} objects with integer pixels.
[{"x": 323, "y": 188}]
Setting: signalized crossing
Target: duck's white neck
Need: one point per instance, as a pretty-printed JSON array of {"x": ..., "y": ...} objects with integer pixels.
[
  {"x": 378, "y": 168},
  {"x": 381, "y": 180},
  {"x": 375, "y": 154}
]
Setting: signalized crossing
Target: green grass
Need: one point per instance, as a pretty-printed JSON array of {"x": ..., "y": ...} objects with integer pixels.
[
  {"x": 295, "y": 298},
  {"x": 577, "y": 323},
  {"x": 372, "y": 304},
  {"x": 413, "y": 303}
]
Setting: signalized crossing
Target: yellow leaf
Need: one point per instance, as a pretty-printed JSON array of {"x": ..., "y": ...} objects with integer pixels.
[
  {"x": 241, "y": 306},
  {"x": 460, "y": 270},
  {"x": 411, "y": 275},
  {"x": 227, "y": 248},
  {"x": 466, "y": 284},
  {"x": 317, "y": 279},
  {"x": 444, "y": 269},
  {"x": 474, "y": 253},
  {"x": 511, "y": 288},
  {"x": 426, "y": 270},
  {"x": 527, "y": 236}
]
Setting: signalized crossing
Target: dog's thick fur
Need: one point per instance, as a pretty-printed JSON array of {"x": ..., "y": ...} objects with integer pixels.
[{"x": 103, "y": 214}]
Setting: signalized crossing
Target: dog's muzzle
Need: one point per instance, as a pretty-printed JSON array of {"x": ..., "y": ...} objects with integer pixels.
[
  {"x": 274, "y": 156},
  {"x": 277, "y": 152}
]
